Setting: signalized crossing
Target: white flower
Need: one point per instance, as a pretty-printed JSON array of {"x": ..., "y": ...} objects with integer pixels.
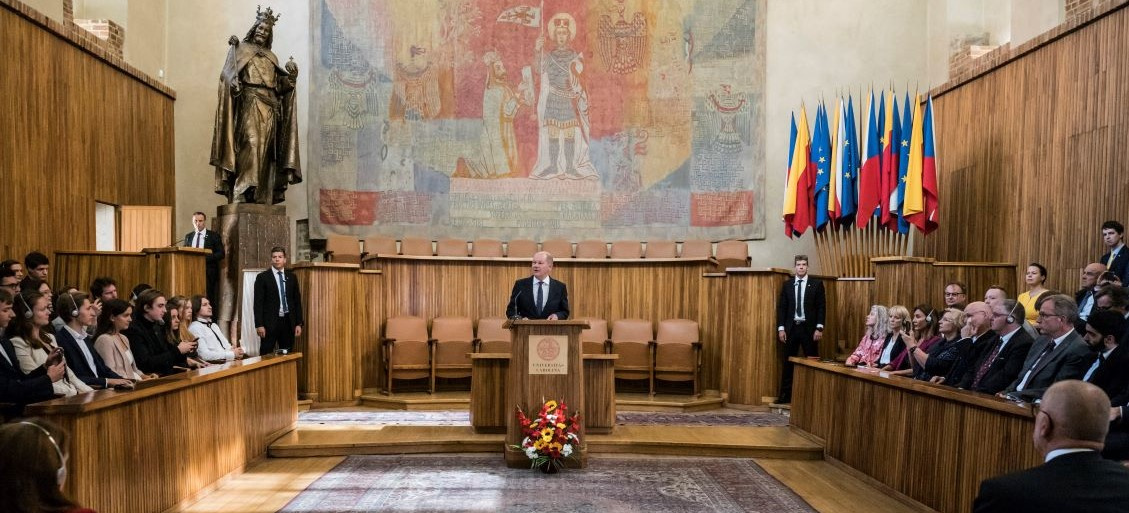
[
  {"x": 566, "y": 450},
  {"x": 531, "y": 453}
]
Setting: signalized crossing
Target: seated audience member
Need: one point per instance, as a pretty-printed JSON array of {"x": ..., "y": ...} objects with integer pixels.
[
  {"x": 9, "y": 281},
  {"x": 956, "y": 295},
  {"x": 1115, "y": 259},
  {"x": 104, "y": 289},
  {"x": 57, "y": 321},
  {"x": 34, "y": 344},
  {"x": 1110, "y": 370},
  {"x": 939, "y": 360},
  {"x": 176, "y": 331},
  {"x": 899, "y": 334},
  {"x": 1060, "y": 354},
  {"x": 994, "y": 294},
  {"x": 1088, "y": 283},
  {"x": 112, "y": 345},
  {"x": 876, "y": 336},
  {"x": 137, "y": 290},
  {"x": 1115, "y": 299},
  {"x": 212, "y": 345},
  {"x": 1108, "y": 278},
  {"x": 15, "y": 266},
  {"x": 999, "y": 364},
  {"x": 1069, "y": 429},
  {"x": 922, "y": 336},
  {"x": 78, "y": 315},
  {"x": 1034, "y": 279},
  {"x": 977, "y": 335},
  {"x": 33, "y": 468},
  {"x": 35, "y": 265},
  {"x": 33, "y": 284},
  {"x": 16, "y": 387},
  {"x": 146, "y": 335}
]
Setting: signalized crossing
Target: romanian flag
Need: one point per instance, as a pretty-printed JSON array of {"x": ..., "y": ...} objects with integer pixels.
[
  {"x": 797, "y": 193},
  {"x": 821, "y": 157},
  {"x": 921, "y": 201},
  {"x": 889, "y": 181},
  {"x": 870, "y": 172}
]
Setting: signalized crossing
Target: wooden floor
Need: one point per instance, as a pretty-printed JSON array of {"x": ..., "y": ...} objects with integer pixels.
[{"x": 270, "y": 483}]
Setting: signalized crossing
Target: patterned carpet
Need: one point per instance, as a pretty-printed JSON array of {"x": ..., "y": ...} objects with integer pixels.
[
  {"x": 462, "y": 418},
  {"x": 483, "y": 483}
]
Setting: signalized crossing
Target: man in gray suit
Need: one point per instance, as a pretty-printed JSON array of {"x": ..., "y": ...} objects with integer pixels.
[{"x": 1058, "y": 355}]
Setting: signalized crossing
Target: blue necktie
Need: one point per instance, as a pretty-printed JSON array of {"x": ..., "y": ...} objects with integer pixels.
[
  {"x": 282, "y": 291},
  {"x": 540, "y": 297}
]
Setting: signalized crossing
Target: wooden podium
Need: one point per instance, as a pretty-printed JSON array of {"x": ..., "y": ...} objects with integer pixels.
[{"x": 546, "y": 363}]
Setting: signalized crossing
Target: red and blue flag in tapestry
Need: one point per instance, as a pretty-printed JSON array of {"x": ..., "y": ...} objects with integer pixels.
[
  {"x": 871, "y": 169},
  {"x": 821, "y": 157}
]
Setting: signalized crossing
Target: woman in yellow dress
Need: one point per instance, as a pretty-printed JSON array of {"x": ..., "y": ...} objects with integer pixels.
[{"x": 1034, "y": 278}]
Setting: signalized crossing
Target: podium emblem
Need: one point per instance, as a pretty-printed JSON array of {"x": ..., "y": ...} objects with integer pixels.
[{"x": 548, "y": 354}]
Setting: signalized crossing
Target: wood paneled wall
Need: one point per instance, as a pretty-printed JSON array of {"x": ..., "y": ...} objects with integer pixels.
[
  {"x": 76, "y": 130},
  {"x": 174, "y": 271},
  {"x": 931, "y": 443},
  {"x": 149, "y": 449},
  {"x": 909, "y": 281},
  {"x": 332, "y": 370},
  {"x": 1031, "y": 155},
  {"x": 854, "y": 295}
]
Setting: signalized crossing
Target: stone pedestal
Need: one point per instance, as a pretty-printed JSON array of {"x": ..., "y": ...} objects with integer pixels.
[{"x": 249, "y": 232}]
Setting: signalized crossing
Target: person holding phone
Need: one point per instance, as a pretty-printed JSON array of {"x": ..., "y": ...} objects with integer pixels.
[
  {"x": 34, "y": 344},
  {"x": 17, "y": 387}
]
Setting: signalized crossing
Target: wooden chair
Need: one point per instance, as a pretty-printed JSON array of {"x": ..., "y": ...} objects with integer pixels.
[
  {"x": 696, "y": 249},
  {"x": 416, "y": 246},
  {"x": 342, "y": 249},
  {"x": 678, "y": 352},
  {"x": 627, "y": 249},
  {"x": 559, "y": 248},
  {"x": 487, "y": 248},
  {"x": 591, "y": 249},
  {"x": 379, "y": 246},
  {"x": 594, "y": 340},
  {"x": 521, "y": 248},
  {"x": 406, "y": 350},
  {"x": 452, "y": 247},
  {"x": 492, "y": 337},
  {"x": 661, "y": 249},
  {"x": 732, "y": 253},
  {"x": 452, "y": 338},
  {"x": 634, "y": 341}
]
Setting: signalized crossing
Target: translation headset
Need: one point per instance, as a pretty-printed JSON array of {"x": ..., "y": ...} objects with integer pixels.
[
  {"x": 74, "y": 313},
  {"x": 27, "y": 308},
  {"x": 929, "y": 316},
  {"x": 61, "y": 472},
  {"x": 1011, "y": 315}
]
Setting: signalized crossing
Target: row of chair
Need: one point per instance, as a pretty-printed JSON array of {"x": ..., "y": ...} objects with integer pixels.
[
  {"x": 346, "y": 249},
  {"x": 670, "y": 353}
]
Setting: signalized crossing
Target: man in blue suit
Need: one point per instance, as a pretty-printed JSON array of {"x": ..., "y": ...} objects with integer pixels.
[
  {"x": 538, "y": 296},
  {"x": 1116, "y": 259},
  {"x": 77, "y": 314}
]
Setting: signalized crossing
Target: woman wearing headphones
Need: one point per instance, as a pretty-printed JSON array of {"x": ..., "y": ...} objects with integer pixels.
[
  {"x": 34, "y": 344},
  {"x": 33, "y": 469},
  {"x": 923, "y": 335}
]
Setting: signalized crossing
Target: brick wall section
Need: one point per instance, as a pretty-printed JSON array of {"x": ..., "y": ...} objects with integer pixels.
[
  {"x": 1078, "y": 13},
  {"x": 68, "y": 11},
  {"x": 108, "y": 31}
]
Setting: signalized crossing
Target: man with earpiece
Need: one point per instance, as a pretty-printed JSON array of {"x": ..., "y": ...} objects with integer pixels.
[
  {"x": 277, "y": 305},
  {"x": 999, "y": 363},
  {"x": 17, "y": 388},
  {"x": 77, "y": 313}
]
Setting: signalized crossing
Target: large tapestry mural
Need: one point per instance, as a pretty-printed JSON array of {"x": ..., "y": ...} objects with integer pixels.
[{"x": 581, "y": 119}]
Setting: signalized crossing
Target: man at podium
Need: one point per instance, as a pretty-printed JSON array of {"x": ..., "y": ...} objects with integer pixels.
[{"x": 538, "y": 296}]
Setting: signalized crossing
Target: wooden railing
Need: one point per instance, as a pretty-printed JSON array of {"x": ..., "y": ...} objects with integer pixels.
[
  {"x": 149, "y": 449},
  {"x": 931, "y": 443}
]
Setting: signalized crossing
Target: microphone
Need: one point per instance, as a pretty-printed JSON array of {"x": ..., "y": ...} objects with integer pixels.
[{"x": 516, "y": 315}]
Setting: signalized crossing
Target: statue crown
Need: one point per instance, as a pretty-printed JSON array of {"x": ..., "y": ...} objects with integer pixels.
[{"x": 267, "y": 16}]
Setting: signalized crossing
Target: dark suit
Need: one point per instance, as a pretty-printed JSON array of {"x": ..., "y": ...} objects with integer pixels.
[
  {"x": 1112, "y": 375},
  {"x": 1070, "y": 360},
  {"x": 523, "y": 300},
  {"x": 77, "y": 362},
  {"x": 1079, "y": 482},
  {"x": 19, "y": 388},
  {"x": 268, "y": 305},
  {"x": 1120, "y": 264},
  {"x": 799, "y": 334},
  {"x": 971, "y": 352},
  {"x": 214, "y": 242},
  {"x": 1004, "y": 368},
  {"x": 1081, "y": 297},
  {"x": 151, "y": 352}
]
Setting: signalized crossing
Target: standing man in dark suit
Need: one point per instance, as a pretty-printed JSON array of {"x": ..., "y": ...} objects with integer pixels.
[
  {"x": 1116, "y": 259},
  {"x": 16, "y": 387},
  {"x": 799, "y": 321},
  {"x": 1070, "y": 428},
  {"x": 203, "y": 238},
  {"x": 998, "y": 364},
  {"x": 538, "y": 296},
  {"x": 1060, "y": 354},
  {"x": 278, "y": 305}
]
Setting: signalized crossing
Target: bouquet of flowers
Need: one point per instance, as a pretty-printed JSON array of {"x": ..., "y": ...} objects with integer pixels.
[{"x": 550, "y": 437}]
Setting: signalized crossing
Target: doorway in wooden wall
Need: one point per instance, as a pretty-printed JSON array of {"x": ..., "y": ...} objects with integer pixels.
[{"x": 145, "y": 227}]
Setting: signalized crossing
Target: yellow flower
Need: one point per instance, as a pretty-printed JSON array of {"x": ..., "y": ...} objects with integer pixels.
[
  {"x": 539, "y": 444},
  {"x": 560, "y": 425},
  {"x": 547, "y": 432},
  {"x": 552, "y": 405},
  {"x": 556, "y": 446}
]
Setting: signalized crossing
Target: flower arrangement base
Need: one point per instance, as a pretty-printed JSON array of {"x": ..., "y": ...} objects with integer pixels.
[{"x": 549, "y": 468}]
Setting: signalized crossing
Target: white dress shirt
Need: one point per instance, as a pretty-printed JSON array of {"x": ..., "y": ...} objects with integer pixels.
[{"x": 212, "y": 344}]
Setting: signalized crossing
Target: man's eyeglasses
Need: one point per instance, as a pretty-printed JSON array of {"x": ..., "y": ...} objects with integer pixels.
[
  {"x": 954, "y": 294},
  {"x": 1044, "y": 315}
]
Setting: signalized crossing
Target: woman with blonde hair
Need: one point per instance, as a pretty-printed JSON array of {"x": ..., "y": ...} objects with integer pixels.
[
  {"x": 874, "y": 340},
  {"x": 34, "y": 344},
  {"x": 177, "y": 318}
]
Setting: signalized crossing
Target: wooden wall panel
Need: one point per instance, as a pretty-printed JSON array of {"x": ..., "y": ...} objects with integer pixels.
[
  {"x": 854, "y": 297},
  {"x": 753, "y": 355},
  {"x": 370, "y": 309},
  {"x": 1030, "y": 155},
  {"x": 76, "y": 130},
  {"x": 332, "y": 338},
  {"x": 79, "y": 268},
  {"x": 909, "y": 281}
]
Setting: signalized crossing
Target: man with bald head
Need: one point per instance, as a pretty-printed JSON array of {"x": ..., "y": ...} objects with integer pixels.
[
  {"x": 1088, "y": 287},
  {"x": 1000, "y": 360},
  {"x": 1070, "y": 429},
  {"x": 538, "y": 296},
  {"x": 977, "y": 335}
]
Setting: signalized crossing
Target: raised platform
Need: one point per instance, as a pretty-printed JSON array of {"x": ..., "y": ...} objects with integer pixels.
[
  {"x": 721, "y": 441},
  {"x": 460, "y": 400}
]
